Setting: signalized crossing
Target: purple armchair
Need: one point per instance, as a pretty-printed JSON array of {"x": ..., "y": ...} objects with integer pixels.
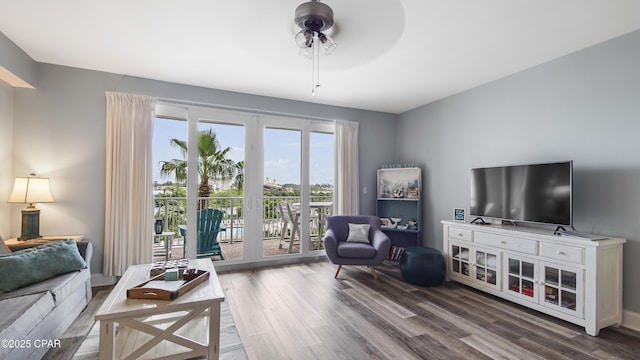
[{"x": 343, "y": 252}]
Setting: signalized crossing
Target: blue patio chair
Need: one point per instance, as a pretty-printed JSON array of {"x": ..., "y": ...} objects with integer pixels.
[{"x": 209, "y": 225}]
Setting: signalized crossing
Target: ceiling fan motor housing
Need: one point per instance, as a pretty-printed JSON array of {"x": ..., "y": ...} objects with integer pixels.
[{"x": 314, "y": 15}]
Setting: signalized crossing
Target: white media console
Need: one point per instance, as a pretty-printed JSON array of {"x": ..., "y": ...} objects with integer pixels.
[{"x": 575, "y": 279}]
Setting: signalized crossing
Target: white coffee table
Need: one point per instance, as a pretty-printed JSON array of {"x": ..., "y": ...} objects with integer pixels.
[{"x": 186, "y": 327}]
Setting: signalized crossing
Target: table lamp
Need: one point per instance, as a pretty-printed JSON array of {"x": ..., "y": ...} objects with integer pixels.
[{"x": 30, "y": 190}]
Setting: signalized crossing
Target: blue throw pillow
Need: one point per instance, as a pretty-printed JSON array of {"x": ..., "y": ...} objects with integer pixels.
[{"x": 29, "y": 266}]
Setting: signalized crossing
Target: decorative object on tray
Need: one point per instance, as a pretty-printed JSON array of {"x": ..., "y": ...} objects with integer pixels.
[
  {"x": 157, "y": 288},
  {"x": 160, "y": 267}
]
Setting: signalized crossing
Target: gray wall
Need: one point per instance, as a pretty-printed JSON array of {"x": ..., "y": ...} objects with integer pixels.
[
  {"x": 583, "y": 107},
  {"x": 59, "y": 132},
  {"x": 17, "y": 61}
]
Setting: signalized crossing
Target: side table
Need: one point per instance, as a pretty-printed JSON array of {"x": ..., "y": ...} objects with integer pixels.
[
  {"x": 167, "y": 236},
  {"x": 14, "y": 244}
]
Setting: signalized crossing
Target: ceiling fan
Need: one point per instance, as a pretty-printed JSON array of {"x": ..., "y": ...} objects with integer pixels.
[{"x": 314, "y": 19}]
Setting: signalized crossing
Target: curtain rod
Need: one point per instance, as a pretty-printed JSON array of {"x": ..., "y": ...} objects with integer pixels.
[{"x": 169, "y": 101}]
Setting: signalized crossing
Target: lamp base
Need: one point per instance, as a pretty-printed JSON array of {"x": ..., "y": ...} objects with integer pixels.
[{"x": 30, "y": 224}]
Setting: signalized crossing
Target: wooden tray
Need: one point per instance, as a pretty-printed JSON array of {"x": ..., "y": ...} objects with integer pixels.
[{"x": 157, "y": 288}]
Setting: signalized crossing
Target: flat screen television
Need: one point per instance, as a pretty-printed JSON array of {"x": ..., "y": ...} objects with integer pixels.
[{"x": 534, "y": 193}]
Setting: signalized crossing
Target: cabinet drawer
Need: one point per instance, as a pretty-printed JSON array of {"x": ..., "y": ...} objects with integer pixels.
[
  {"x": 562, "y": 252},
  {"x": 460, "y": 234},
  {"x": 506, "y": 242}
]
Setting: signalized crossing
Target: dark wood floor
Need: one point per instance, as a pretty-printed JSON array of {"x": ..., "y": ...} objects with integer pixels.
[{"x": 302, "y": 312}]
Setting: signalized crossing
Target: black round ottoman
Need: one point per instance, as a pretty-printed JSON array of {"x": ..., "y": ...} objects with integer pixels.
[{"x": 422, "y": 266}]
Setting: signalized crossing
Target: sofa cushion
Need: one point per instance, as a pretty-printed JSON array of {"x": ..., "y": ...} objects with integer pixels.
[
  {"x": 21, "y": 314},
  {"x": 29, "y": 266},
  {"x": 356, "y": 250},
  {"x": 60, "y": 286}
]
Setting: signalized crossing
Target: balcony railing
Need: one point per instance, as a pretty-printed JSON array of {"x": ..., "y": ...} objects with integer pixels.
[{"x": 172, "y": 210}]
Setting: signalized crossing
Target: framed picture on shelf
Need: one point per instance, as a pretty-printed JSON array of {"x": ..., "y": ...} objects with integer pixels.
[
  {"x": 400, "y": 183},
  {"x": 458, "y": 214}
]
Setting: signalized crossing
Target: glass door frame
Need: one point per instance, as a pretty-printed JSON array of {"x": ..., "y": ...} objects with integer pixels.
[
  {"x": 306, "y": 127},
  {"x": 254, "y": 125}
]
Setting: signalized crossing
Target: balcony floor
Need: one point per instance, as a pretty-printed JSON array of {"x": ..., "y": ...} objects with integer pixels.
[{"x": 229, "y": 250}]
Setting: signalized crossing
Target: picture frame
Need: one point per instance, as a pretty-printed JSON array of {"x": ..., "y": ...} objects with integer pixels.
[
  {"x": 399, "y": 183},
  {"x": 458, "y": 214}
]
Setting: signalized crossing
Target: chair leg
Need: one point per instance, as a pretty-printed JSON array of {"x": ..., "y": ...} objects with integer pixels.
[
  {"x": 338, "y": 271},
  {"x": 294, "y": 230},
  {"x": 285, "y": 227},
  {"x": 373, "y": 271}
]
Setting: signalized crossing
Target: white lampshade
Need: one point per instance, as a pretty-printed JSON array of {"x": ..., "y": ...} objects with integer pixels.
[{"x": 31, "y": 190}]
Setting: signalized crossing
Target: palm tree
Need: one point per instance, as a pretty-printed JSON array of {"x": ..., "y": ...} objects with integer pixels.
[
  {"x": 213, "y": 162},
  {"x": 238, "y": 180}
]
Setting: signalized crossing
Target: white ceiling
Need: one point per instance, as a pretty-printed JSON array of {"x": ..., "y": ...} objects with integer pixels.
[{"x": 392, "y": 55}]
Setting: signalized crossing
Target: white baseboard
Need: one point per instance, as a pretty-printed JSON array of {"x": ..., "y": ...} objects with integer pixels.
[
  {"x": 101, "y": 280},
  {"x": 631, "y": 320}
]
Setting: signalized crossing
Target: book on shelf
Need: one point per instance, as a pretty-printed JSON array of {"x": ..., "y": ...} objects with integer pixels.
[{"x": 395, "y": 253}]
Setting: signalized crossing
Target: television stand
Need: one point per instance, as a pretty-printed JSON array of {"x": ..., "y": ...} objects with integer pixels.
[
  {"x": 571, "y": 278},
  {"x": 576, "y": 234}
]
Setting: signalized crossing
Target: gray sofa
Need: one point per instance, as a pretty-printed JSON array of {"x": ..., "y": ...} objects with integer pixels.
[{"x": 33, "y": 318}]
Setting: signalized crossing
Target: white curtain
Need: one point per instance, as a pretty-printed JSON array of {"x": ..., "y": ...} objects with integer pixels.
[
  {"x": 346, "y": 160},
  {"x": 129, "y": 198}
]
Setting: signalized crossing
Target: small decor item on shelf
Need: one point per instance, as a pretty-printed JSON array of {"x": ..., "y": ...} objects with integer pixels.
[
  {"x": 458, "y": 214},
  {"x": 158, "y": 226},
  {"x": 395, "y": 253},
  {"x": 398, "y": 166},
  {"x": 398, "y": 192},
  {"x": 412, "y": 224},
  {"x": 385, "y": 223},
  {"x": 395, "y": 221}
]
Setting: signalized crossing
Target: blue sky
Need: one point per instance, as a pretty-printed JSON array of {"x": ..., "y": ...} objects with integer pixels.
[{"x": 281, "y": 156}]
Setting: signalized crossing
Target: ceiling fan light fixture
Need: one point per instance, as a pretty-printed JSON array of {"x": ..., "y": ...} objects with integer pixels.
[
  {"x": 313, "y": 18},
  {"x": 327, "y": 44},
  {"x": 314, "y": 15},
  {"x": 304, "y": 38}
]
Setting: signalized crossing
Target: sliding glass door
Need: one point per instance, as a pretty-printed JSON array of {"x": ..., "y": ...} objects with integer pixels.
[{"x": 271, "y": 177}]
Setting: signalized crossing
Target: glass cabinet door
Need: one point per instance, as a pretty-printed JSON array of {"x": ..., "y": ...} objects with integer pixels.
[
  {"x": 486, "y": 267},
  {"x": 460, "y": 260},
  {"x": 562, "y": 288},
  {"x": 521, "y": 277}
]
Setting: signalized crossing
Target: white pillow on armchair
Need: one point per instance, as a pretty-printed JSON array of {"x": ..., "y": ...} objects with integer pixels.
[{"x": 359, "y": 233}]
